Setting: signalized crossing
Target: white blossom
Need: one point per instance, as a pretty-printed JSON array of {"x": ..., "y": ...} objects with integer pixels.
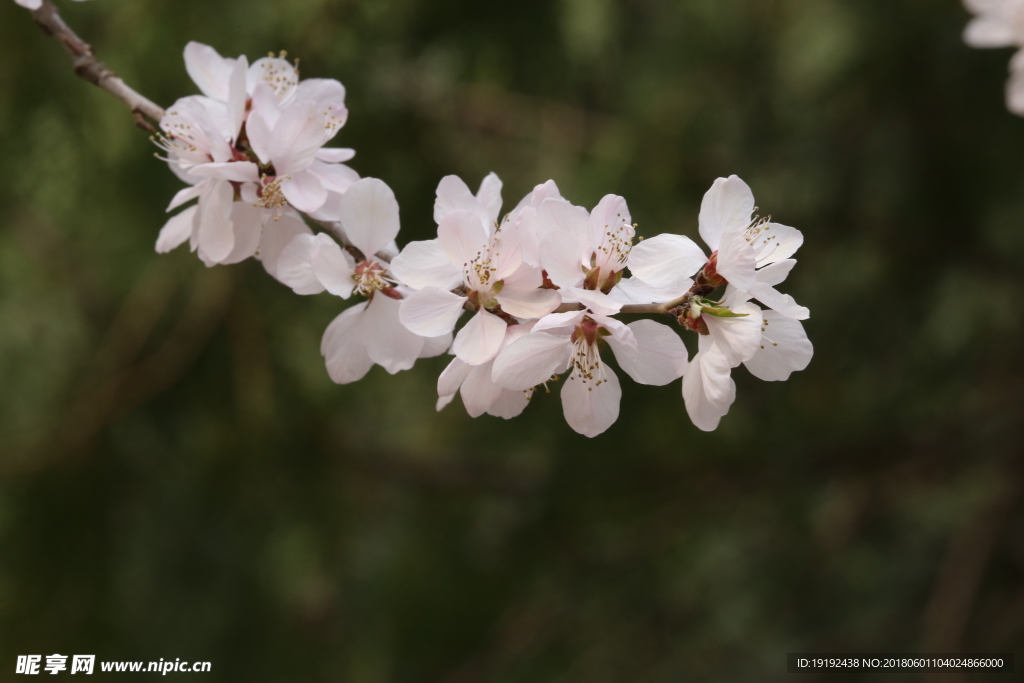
[
  {"x": 651, "y": 353},
  {"x": 368, "y": 332},
  {"x": 251, "y": 148},
  {"x": 474, "y": 256}
]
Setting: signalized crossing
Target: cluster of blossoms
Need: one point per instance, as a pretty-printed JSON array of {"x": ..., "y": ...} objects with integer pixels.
[
  {"x": 541, "y": 285},
  {"x": 1000, "y": 23}
]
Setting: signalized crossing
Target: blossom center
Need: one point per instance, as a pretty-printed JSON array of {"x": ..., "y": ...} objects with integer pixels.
[
  {"x": 371, "y": 277},
  {"x": 269, "y": 193},
  {"x": 586, "y": 356}
]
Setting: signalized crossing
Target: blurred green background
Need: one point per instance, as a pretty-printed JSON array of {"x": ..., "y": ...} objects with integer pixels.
[{"x": 180, "y": 478}]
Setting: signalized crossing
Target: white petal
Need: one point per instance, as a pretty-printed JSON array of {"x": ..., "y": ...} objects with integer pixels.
[
  {"x": 557, "y": 216},
  {"x": 208, "y": 70},
  {"x": 777, "y": 301},
  {"x": 784, "y": 349},
  {"x": 176, "y": 230},
  {"x": 276, "y": 72},
  {"x": 727, "y": 206},
  {"x": 435, "y": 346},
  {"x": 609, "y": 213},
  {"x": 297, "y": 136},
  {"x": 1015, "y": 89},
  {"x": 776, "y": 242},
  {"x": 660, "y": 355},
  {"x": 334, "y": 177},
  {"x": 369, "y": 215},
  {"x": 278, "y": 234},
  {"x": 184, "y": 195},
  {"x": 480, "y": 339},
  {"x": 528, "y": 303},
  {"x": 509, "y": 404},
  {"x": 553, "y": 321},
  {"x": 295, "y": 268},
  {"x": 666, "y": 260},
  {"x": 479, "y": 392},
  {"x": 453, "y": 377},
  {"x": 590, "y": 409},
  {"x": 462, "y": 236},
  {"x": 561, "y": 255},
  {"x": 775, "y": 273},
  {"x": 736, "y": 260},
  {"x": 531, "y": 360},
  {"x": 246, "y": 225},
  {"x": 989, "y": 31},
  {"x": 739, "y": 337},
  {"x": 343, "y": 349},
  {"x": 333, "y": 267},
  {"x": 633, "y": 290},
  {"x": 216, "y": 236},
  {"x": 304, "y": 191},
  {"x": 237, "y": 171},
  {"x": 335, "y": 155},
  {"x": 431, "y": 312},
  {"x": 598, "y": 302},
  {"x": 706, "y": 412},
  {"x": 453, "y": 194},
  {"x": 424, "y": 264},
  {"x": 387, "y": 341},
  {"x": 489, "y": 196},
  {"x": 237, "y": 96}
]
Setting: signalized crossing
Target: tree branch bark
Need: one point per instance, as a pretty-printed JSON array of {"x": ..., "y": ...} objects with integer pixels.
[{"x": 96, "y": 72}]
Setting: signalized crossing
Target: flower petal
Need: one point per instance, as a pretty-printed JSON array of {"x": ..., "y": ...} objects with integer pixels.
[
  {"x": 304, "y": 191},
  {"x": 335, "y": 155},
  {"x": 176, "y": 230},
  {"x": 775, "y": 242},
  {"x": 726, "y": 207},
  {"x": 453, "y": 377},
  {"x": 531, "y": 360},
  {"x": 462, "y": 236},
  {"x": 343, "y": 349},
  {"x": 588, "y": 408},
  {"x": 666, "y": 260},
  {"x": 489, "y": 196},
  {"x": 276, "y": 236},
  {"x": 295, "y": 268},
  {"x": 424, "y": 264},
  {"x": 431, "y": 312},
  {"x": 333, "y": 267},
  {"x": 480, "y": 339},
  {"x": 369, "y": 215},
  {"x": 784, "y": 349},
  {"x": 738, "y": 338},
  {"x": 208, "y": 70},
  {"x": 709, "y": 368},
  {"x": 528, "y": 303},
  {"x": 736, "y": 260},
  {"x": 387, "y": 341},
  {"x": 479, "y": 392},
  {"x": 216, "y": 234},
  {"x": 659, "y": 357}
]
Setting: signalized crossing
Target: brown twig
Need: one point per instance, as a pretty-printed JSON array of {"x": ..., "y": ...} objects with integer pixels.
[{"x": 91, "y": 69}]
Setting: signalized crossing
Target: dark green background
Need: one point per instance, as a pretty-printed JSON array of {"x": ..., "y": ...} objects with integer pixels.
[{"x": 180, "y": 478}]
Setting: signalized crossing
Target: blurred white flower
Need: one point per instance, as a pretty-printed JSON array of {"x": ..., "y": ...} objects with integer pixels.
[{"x": 34, "y": 4}]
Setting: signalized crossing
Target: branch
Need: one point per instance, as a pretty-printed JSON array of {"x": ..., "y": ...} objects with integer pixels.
[{"x": 91, "y": 69}]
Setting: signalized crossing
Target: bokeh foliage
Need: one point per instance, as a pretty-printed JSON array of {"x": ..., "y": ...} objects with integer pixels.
[{"x": 180, "y": 478}]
